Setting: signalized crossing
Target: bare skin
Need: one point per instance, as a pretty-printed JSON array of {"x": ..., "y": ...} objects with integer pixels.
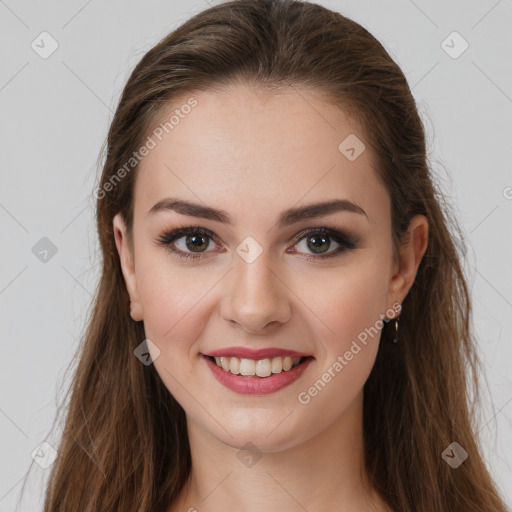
[{"x": 253, "y": 155}]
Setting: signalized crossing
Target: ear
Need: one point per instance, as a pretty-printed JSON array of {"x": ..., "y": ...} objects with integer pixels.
[
  {"x": 127, "y": 266},
  {"x": 411, "y": 254}
]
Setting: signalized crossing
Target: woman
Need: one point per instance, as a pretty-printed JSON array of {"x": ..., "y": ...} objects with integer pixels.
[{"x": 282, "y": 321}]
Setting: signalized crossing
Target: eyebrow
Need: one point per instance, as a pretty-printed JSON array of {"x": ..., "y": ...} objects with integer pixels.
[{"x": 286, "y": 218}]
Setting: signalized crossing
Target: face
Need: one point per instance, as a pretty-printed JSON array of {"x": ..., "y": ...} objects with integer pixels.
[{"x": 318, "y": 285}]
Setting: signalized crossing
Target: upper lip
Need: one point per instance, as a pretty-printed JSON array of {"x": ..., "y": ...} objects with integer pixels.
[{"x": 251, "y": 353}]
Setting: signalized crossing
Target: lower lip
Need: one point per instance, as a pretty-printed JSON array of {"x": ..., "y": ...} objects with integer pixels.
[{"x": 253, "y": 385}]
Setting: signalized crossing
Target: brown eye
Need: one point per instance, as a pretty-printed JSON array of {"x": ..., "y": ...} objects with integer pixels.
[
  {"x": 314, "y": 243},
  {"x": 185, "y": 242},
  {"x": 318, "y": 243},
  {"x": 196, "y": 243},
  {"x": 191, "y": 243}
]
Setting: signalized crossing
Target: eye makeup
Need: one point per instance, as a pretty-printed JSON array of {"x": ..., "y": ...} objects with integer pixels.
[{"x": 346, "y": 241}]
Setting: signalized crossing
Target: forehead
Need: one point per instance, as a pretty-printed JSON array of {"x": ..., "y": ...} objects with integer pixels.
[{"x": 247, "y": 150}]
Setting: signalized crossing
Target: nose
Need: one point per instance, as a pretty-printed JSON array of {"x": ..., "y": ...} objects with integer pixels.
[{"x": 255, "y": 297}]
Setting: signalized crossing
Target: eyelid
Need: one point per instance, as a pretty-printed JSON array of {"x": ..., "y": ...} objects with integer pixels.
[
  {"x": 344, "y": 235},
  {"x": 170, "y": 236}
]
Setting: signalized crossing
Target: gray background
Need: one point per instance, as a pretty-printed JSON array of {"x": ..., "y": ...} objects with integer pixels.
[{"x": 55, "y": 115}]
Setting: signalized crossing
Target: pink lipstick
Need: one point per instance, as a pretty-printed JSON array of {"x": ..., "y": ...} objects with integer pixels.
[{"x": 252, "y": 384}]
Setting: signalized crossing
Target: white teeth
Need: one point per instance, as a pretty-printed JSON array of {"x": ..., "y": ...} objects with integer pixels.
[
  {"x": 260, "y": 367},
  {"x": 234, "y": 365},
  {"x": 277, "y": 365},
  {"x": 247, "y": 366},
  {"x": 263, "y": 368}
]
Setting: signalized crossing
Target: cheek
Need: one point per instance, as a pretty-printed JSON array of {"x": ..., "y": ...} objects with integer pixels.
[
  {"x": 352, "y": 307},
  {"x": 352, "y": 310},
  {"x": 347, "y": 349},
  {"x": 171, "y": 298},
  {"x": 173, "y": 320}
]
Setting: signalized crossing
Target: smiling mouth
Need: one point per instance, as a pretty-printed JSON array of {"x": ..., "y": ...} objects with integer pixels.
[{"x": 258, "y": 368}]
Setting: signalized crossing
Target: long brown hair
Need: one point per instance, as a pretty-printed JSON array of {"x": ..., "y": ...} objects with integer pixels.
[{"x": 124, "y": 445}]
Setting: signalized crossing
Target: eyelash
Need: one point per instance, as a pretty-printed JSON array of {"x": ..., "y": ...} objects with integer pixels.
[{"x": 346, "y": 241}]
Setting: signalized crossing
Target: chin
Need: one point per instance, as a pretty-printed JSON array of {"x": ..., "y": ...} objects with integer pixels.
[{"x": 268, "y": 434}]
